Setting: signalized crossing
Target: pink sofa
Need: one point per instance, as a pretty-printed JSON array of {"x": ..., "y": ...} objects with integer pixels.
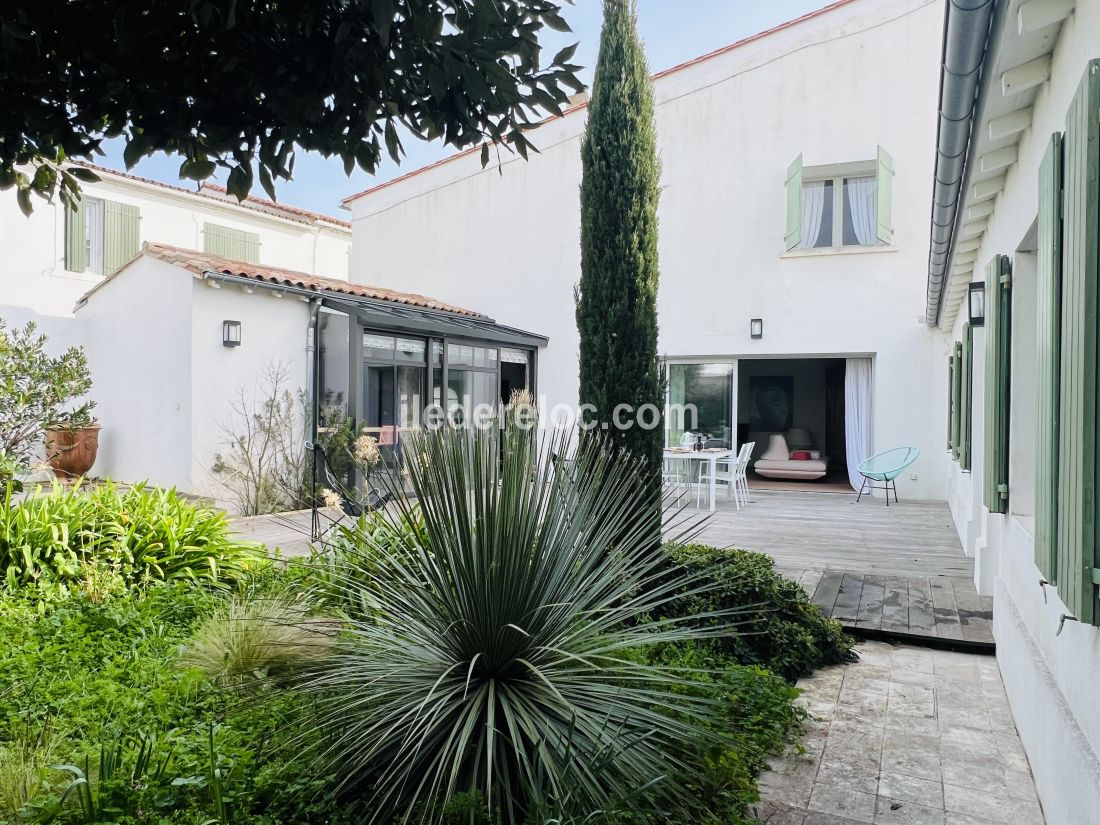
[{"x": 776, "y": 462}]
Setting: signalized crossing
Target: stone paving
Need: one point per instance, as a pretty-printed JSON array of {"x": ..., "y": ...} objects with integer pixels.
[{"x": 910, "y": 736}]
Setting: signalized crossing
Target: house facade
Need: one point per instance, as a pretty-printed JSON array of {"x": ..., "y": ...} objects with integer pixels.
[
  {"x": 56, "y": 255},
  {"x": 1013, "y": 285},
  {"x": 182, "y": 345},
  {"x": 793, "y": 238}
]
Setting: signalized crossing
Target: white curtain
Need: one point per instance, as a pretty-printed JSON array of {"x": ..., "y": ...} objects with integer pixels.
[
  {"x": 861, "y": 203},
  {"x": 813, "y": 204},
  {"x": 857, "y": 415}
]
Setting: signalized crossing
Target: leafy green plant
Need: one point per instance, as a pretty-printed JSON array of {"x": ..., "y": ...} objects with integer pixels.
[
  {"x": 253, "y": 639},
  {"x": 500, "y": 654},
  {"x": 786, "y": 632},
  {"x": 139, "y": 534},
  {"x": 36, "y": 389}
]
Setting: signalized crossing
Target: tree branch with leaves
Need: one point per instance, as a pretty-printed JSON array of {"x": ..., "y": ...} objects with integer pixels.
[{"x": 241, "y": 85}]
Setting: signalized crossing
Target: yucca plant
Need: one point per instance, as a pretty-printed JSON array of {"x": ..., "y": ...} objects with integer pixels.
[{"x": 505, "y": 652}]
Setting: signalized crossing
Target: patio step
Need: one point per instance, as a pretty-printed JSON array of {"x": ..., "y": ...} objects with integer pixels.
[{"x": 939, "y": 611}]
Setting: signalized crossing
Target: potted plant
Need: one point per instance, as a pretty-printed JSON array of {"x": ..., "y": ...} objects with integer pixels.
[
  {"x": 72, "y": 441},
  {"x": 36, "y": 389}
]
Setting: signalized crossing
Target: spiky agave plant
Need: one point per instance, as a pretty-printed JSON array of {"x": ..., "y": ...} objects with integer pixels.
[{"x": 505, "y": 653}]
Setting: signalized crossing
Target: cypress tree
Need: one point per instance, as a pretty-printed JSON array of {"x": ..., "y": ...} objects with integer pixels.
[{"x": 617, "y": 294}]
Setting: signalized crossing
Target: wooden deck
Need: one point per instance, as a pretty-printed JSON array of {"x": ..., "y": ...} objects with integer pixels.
[
  {"x": 877, "y": 569},
  {"x": 829, "y": 531},
  {"x": 883, "y": 570},
  {"x": 287, "y": 533},
  {"x": 946, "y": 608}
]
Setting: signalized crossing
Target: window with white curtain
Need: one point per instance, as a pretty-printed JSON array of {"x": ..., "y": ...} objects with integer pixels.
[{"x": 839, "y": 211}]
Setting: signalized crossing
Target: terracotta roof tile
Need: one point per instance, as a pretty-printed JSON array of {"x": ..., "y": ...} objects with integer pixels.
[
  {"x": 219, "y": 194},
  {"x": 200, "y": 263}
]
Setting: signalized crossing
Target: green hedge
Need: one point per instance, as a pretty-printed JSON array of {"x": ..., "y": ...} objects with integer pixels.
[{"x": 784, "y": 631}]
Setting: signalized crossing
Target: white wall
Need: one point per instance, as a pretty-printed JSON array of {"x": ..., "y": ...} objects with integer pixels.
[
  {"x": 1051, "y": 679},
  {"x": 505, "y": 241},
  {"x": 273, "y": 332},
  {"x": 34, "y": 275},
  {"x": 137, "y": 330}
]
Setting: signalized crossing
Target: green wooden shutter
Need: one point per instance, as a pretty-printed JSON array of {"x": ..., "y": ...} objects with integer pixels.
[
  {"x": 998, "y": 335},
  {"x": 884, "y": 194},
  {"x": 1047, "y": 354},
  {"x": 121, "y": 234},
  {"x": 794, "y": 203},
  {"x": 966, "y": 391},
  {"x": 956, "y": 400},
  {"x": 230, "y": 243},
  {"x": 76, "y": 252},
  {"x": 950, "y": 404},
  {"x": 1077, "y": 442}
]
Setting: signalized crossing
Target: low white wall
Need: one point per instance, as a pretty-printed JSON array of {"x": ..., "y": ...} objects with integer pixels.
[
  {"x": 138, "y": 327},
  {"x": 273, "y": 332}
]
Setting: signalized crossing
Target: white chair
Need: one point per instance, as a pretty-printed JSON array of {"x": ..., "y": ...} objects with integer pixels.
[
  {"x": 730, "y": 472},
  {"x": 672, "y": 476},
  {"x": 740, "y": 481}
]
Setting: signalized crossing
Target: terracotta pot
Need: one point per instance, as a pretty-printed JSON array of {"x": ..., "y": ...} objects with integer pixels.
[{"x": 71, "y": 453}]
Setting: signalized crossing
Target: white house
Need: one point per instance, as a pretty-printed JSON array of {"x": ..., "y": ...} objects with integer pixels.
[
  {"x": 793, "y": 237},
  {"x": 56, "y": 255},
  {"x": 1015, "y": 226},
  {"x": 176, "y": 335}
]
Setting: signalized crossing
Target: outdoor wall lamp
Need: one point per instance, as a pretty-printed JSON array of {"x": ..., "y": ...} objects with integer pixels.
[
  {"x": 756, "y": 328},
  {"x": 231, "y": 333},
  {"x": 976, "y": 303}
]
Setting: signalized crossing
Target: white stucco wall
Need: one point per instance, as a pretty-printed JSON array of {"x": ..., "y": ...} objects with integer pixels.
[
  {"x": 505, "y": 240},
  {"x": 165, "y": 384},
  {"x": 34, "y": 277},
  {"x": 1051, "y": 679},
  {"x": 273, "y": 333},
  {"x": 137, "y": 328}
]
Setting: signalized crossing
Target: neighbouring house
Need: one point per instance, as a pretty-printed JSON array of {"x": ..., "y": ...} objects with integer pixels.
[
  {"x": 56, "y": 255},
  {"x": 793, "y": 238},
  {"x": 1013, "y": 285},
  {"x": 175, "y": 335}
]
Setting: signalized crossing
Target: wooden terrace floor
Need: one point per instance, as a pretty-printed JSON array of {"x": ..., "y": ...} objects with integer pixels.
[{"x": 889, "y": 570}]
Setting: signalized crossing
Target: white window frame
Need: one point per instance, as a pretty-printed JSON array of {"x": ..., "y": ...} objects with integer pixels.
[{"x": 835, "y": 173}]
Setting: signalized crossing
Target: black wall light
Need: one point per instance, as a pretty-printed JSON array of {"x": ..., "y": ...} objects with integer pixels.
[
  {"x": 756, "y": 328},
  {"x": 976, "y": 303},
  {"x": 231, "y": 333}
]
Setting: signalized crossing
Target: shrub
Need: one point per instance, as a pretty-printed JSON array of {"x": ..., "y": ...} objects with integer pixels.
[
  {"x": 785, "y": 631},
  {"x": 501, "y": 656},
  {"x": 139, "y": 535},
  {"x": 36, "y": 389}
]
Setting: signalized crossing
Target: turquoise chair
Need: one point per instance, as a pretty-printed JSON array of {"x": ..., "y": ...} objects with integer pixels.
[{"x": 886, "y": 467}]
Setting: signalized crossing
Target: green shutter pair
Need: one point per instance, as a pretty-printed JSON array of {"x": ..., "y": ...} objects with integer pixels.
[
  {"x": 954, "y": 400},
  {"x": 230, "y": 243},
  {"x": 1067, "y": 349},
  {"x": 998, "y": 353},
  {"x": 960, "y": 398},
  {"x": 121, "y": 236},
  {"x": 884, "y": 183}
]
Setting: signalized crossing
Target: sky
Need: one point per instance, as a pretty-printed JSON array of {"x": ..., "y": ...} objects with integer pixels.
[{"x": 673, "y": 31}]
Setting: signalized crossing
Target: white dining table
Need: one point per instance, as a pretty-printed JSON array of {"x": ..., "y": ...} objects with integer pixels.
[{"x": 712, "y": 457}]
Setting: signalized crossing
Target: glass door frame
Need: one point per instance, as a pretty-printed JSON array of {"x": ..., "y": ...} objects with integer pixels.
[{"x": 724, "y": 360}]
